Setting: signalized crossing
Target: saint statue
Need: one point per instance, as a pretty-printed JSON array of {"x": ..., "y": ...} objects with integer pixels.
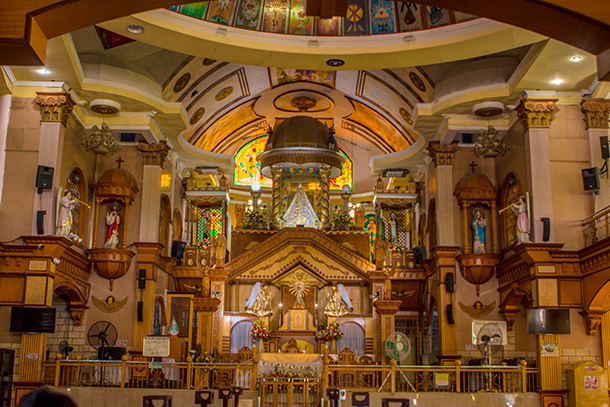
[
  {"x": 259, "y": 303},
  {"x": 64, "y": 216},
  {"x": 478, "y": 226},
  {"x": 338, "y": 303},
  {"x": 113, "y": 219},
  {"x": 381, "y": 246},
  {"x": 240, "y": 212},
  {"x": 393, "y": 228},
  {"x": 220, "y": 243},
  {"x": 359, "y": 217},
  {"x": 523, "y": 221}
]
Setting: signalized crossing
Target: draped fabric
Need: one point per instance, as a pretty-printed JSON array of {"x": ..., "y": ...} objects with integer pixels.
[
  {"x": 353, "y": 338},
  {"x": 289, "y": 361},
  {"x": 240, "y": 336}
]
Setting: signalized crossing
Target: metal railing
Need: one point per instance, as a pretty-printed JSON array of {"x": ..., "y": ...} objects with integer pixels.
[
  {"x": 164, "y": 375},
  {"x": 597, "y": 226}
]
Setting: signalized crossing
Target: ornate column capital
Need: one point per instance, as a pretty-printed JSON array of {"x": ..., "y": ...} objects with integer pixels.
[
  {"x": 595, "y": 112},
  {"x": 592, "y": 320},
  {"x": 442, "y": 154},
  {"x": 54, "y": 106},
  {"x": 78, "y": 315},
  {"x": 154, "y": 154},
  {"x": 536, "y": 113}
]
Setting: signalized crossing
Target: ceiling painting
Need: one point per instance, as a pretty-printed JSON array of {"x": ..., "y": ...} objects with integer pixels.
[
  {"x": 303, "y": 101},
  {"x": 283, "y": 76},
  {"x": 248, "y": 14}
]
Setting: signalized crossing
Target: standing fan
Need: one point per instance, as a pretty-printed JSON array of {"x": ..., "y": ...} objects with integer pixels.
[
  {"x": 102, "y": 335},
  {"x": 489, "y": 341},
  {"x": 65, "y": 349},
  {"x": 397, "y": 346}
]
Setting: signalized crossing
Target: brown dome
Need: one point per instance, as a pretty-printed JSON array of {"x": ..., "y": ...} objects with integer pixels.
[
  {"x": 300, "y": 131},
  {"x": 118, "y": 176},
  {"x": 473, "y": 180}
]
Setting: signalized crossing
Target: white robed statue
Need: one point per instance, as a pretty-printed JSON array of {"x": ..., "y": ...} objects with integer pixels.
[
  {"x": 259, "y": 302},
  {"x": 338, "y": 303}
]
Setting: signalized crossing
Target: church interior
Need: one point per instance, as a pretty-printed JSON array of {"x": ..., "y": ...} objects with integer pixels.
[{"x": 268, "y": 201}]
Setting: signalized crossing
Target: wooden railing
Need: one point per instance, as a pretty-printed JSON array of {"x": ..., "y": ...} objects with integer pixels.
[
  {"x": 164, "y": 375},
  {"x": 393, "y": 378},
  {"x": 290, "y": 392},
  {"x": 597, "y": 226}
]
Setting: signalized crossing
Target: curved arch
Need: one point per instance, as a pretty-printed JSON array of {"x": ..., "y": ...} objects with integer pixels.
[
  {"x": 240, "y": 335},
  {"x": 422, "y": 231},
  {"x": 165, "y": 217},
  {"x": 353, "y": 338},
  {"x": 160, "y": 316},
  {"x": 177, "y": 225},
  {"x": 510, "y": 193},
  {"x": 510, "y": 305},
  {"x": 77, "y": 185},
  {"x": 600, "y": 302},
  {"x": 71, "y": 291}
]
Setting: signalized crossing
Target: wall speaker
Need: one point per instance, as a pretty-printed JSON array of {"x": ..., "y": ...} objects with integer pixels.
[
  {"x": 40, "y": 222},
  {"x": 605, "y": 147},
  {"x": 590, "y": 179},
  {"x": 419, "y": 253},
  {"x": 546, "y": 231},
  {"x": 178, "y": 249},
  {"x": 450, "y": 319},
  {"x": 449, "y": 282},
  {"x": 142, "y": 279},
  {"x": 140, "y": 311},
  {"x": 44, "y": 177}
]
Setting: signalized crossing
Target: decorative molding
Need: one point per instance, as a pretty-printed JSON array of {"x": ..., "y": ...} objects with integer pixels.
[
  {"x": 442, "y": 154},
  {"x": 536, "y": 113},
  {"x": 592, "y": 320},
  {"x": 78, "y": 315},
  {"x": 478, "y": 310},
  {"x": 595, "y": 112},
  {"x": 154, "y": 154},
  {"x": 54, "y": 107}
]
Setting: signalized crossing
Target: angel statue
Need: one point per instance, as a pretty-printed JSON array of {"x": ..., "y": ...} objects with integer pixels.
[
  {"x": 65, "y": 204},
  {"x": 338, "y": 303},
  {"x": 259, "y": 303}
]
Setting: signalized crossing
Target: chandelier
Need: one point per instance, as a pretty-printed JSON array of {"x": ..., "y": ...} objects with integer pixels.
[
  {"x": 489, "y": 144},
  {"x": 101, "y": 141}
]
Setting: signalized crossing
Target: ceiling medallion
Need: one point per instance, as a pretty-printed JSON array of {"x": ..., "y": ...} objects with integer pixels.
[
  {"x": 303, "y": 103},
  {"x": 104, "y": 107},
  {"x": 182, "y": 82},
  {"x": 197, "y": 115},
  {"x": 223, "y": 93}
]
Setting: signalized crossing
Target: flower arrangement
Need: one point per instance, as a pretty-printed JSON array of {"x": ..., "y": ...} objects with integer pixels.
[
  {"x": 278, "y": 373},
  {"x": 205, "y": 244},
  {"x": 341, "y": 218},
  {"x": 259, "y": 331},
  {"x": 332, "y": 331},
  {"x": 256, "y": 218},
  {"x": 206, "y": 357},
  {"x": 395, "y": 247}
]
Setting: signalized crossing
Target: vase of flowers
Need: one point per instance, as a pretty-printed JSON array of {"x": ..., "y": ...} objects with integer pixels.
[
  {"x": 330, "y": 334},
  {"x": 341, "y": 220},
  {"x": 256, "y": 218},
  {"x": 204, "y": 244},
  {"x": 259, "y": 334}
]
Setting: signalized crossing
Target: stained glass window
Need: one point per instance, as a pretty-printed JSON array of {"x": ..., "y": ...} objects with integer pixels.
[
  {"x": 371, "y": 227},
  {"x": 247, "y": 168},
  {"x": 210, "y": 223}
]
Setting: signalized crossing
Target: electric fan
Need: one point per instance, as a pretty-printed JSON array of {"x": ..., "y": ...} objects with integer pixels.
[
  {"x": 489, "y": 341},
  {"x": 102, "y": 335},
  {"x": 65, "y": 349},
  {"x": 397, "y": 346}
]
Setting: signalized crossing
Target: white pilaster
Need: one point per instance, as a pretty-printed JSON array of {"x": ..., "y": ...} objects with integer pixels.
[
  {"x": 151, "y": 203},
  {"x": 539, "y": 173}
]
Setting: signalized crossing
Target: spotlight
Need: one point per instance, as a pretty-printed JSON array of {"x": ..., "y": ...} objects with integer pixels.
[
  {"x": 576, "y": 58},
  {"x": 41, "y": 246},
  {"x": 335, "y": 62},
  {"x": 557, "y": 81},
  {"x": 56, "y": 260}
]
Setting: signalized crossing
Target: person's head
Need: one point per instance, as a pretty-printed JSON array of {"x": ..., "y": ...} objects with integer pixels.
[
  {"x": 478, "y": 305},
  {"x": 67, "y": 193},
  {"x": 478, "y": 214},
  {"x": 44, "y": 397}
]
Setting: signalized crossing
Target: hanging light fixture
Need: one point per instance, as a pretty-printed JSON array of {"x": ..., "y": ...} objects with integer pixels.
[
  {"x": 101, "y": 141},
  {"x": 489, "y": 144}
]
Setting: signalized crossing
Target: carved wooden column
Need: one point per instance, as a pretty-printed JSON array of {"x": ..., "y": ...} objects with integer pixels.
[
  {"x": 595, "y": 112},
  {"x": 276, "y": 177},
  {"x": 325, "y": 187},
  {"x": 550, "y": 383},
  {"x": 386, "y": 309},
  {"x": 605, "y": 338},
  {"x": 55, "y": 109},
  {"x": 442, "y": 189},
  {"x": 536, "y": 117},
  {"x": 205, "y": 308}
]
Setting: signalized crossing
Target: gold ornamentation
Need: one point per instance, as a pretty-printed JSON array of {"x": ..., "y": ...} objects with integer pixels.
[
  {"x": 223, "y": 93},
  {"x": 154, "y": 154},
  {"x": 405, "y": 115},
  {"x": 303, "y": 103},
  {"x": 442, "y": 154},
  {"x": 595, "y": 113},
  {"x": 536, "y": 113},
  {"x": 197, "y": 115},
  {"x": 78, "y": 315},
  {"x": 401, "y": 295},
  {"x": 591, "y": 320},
  {"x": 182, "y": 82},
  {"x": 54, "y": 107},
  {"x": 251, "y": 244},
  {"x": 477, "y": 310},
  {"x": 348, "y": 245},
  {"x": 416, "y": 80},
  {"x": 109, "y": 305}
]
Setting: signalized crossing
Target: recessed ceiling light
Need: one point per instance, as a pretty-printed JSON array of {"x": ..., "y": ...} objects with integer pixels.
[
  {"x": 576, "y": 58},
  {"x": 135, "y": 29},
  {"x": 557, "y": 81},
  {"x": 43, "y": 71},
  {"x": 335, "y": 62}
]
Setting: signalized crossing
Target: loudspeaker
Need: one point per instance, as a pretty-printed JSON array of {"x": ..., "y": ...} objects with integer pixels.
[
  {"x": 419, "y": 253},
  {"x": 450, "y": 319},
  {"x": 605, "y": 148},
  {"x": 140, "y": 311},
  {"x": 44, "y": 178},
  {"x": 546, "y": 232},
  {"x": 40, "y": 222},
  {"x": 449, "y": 282},
  {"x": 142, "y": 279},
  {"x": 590, "y": 179},
  {"x": 178, "y": 249}
]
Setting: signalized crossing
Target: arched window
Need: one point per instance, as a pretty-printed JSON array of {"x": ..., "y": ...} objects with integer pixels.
[
  {"x": 370, "y": 225},
  {"x": 177, "y": 225},
  {"x": 353, "y": 338},
  {"x": 160, "y": 318},
  {"x": 432, "y": 232},
  {"x": 77, "y": 186},
  {"x": 165, "y": 217},
  {"x": 510, "y": 193},
  {"x": 240, "y": 336}
]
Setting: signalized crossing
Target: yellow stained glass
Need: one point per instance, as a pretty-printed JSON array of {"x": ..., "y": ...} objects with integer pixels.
[
  {"x": 166, "y": 180},
  {"x": 247, "y": 168}
]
